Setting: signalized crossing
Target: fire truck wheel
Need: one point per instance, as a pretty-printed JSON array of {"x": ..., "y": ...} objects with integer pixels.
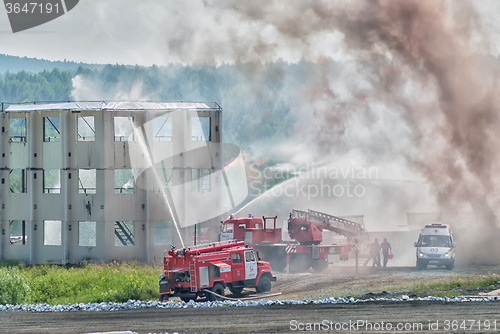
[
  {"x": 264, "y": 285},
  {"x": 236, "y": 290},
  {"x": 278, "y": 264},
  {"x": 300, "y": 263},
  {"x": 218, "y": 289},
  {"x": 319, "y": 265}
]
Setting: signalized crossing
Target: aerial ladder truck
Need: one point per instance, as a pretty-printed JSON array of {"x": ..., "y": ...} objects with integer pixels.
[{"x": 305, "y": 229}]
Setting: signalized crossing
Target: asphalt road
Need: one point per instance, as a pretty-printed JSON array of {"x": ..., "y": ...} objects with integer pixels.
[{"x": 372, "y": 317}]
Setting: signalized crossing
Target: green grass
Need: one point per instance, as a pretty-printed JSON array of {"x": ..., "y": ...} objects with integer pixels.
[
  {"x": 119, "y": 282},
  {"x": 456, "y": 286},
  {"x": 90, "y": 283}
]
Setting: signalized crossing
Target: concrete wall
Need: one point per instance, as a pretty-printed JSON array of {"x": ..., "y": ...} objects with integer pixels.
[{"x": 102, "y": 207}]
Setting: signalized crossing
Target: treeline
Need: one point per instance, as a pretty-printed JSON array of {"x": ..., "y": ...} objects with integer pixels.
[
  {"x": 14, "y": 64},
  {"x": 44, "y": 86},
  {"x": 256, "y": 98}
]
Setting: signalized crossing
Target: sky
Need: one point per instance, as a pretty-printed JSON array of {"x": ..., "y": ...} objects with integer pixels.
[
  {"x": 139, "y": 32},
  {"x": 190, "y": 31}
]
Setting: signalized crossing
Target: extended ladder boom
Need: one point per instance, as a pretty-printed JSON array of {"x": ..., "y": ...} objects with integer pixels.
[{"x": 335, "y": 224}]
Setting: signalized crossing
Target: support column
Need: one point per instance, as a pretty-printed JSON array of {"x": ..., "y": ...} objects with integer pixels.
[
  {"x": 69, "y": 176},
  {"x": 4, "y": 137},
  {"x": 148, "y": 186}
]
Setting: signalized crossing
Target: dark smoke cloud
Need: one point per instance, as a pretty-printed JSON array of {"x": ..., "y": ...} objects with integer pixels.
[{"x": 420, "y": 76}]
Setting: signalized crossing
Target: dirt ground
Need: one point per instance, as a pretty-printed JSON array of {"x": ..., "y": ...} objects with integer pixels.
[{"x": 341, "y": 280}]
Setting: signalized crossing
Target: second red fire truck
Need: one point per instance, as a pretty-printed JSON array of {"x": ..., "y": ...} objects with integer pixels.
[{"x": 305, "y": 229}]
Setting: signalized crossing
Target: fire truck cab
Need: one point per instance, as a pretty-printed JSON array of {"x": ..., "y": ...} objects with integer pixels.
[
  {"x": 206, "y": 270},
  {"x": 252, "y": 230}
]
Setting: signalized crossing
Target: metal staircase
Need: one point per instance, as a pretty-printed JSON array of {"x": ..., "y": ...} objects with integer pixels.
[{"x": 124, "y": 234}]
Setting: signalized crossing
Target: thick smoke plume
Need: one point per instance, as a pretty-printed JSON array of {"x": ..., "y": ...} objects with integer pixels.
[
  {"x": 416, "y": 84},
  {"x": 420, "y": 86}
]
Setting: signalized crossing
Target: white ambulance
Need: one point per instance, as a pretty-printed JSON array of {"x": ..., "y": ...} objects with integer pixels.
[{"x": 435, "y": 246}]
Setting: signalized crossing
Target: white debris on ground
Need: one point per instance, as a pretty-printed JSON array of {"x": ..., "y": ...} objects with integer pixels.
[
  {"x": 135, "y": 304},
  {"x": 491, "y": 293}
]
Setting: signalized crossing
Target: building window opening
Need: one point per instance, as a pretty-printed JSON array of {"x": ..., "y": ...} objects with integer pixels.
[
  {"x": 162, "y": 128},
  {"x": 87, "y": 183},
  {"x": 52, "y": 181},
  {"x": 87, "y": 234},
  {"x": 124, "y": 181},
  {"x": 86, "y": 128},
  {"x": 162, "y": 232},
  {"x": 51, "y": 129},
  {"x": 18, "y": 181},
  {"x": 52, "y": 233},
  {"x": 162, "y": 180},
  {"x": 124, "y": 233},
  {"x": 18, "y": 130},
  {"x": 17, "y": 232},
  {"x": 200, "y": 129},
  {"x": 200, "y": 180},
  {"x": 124, "y": 129}
]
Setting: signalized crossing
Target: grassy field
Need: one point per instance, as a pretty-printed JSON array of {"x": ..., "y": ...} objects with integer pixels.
[
  {"x": 119, "y": 282},
  {"x": 52, "y": 284},
  {"x": 457, "y": 286}
]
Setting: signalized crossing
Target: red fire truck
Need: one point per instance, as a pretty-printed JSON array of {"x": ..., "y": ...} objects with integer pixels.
[
  {"x": 306, "y": 231},
  {"x": 206, "y": 270}
]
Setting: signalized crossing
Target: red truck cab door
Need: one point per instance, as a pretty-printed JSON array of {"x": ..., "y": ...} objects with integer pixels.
[
  {"x": 250, "y": 265},
  {"x": 238, "y": 267}
]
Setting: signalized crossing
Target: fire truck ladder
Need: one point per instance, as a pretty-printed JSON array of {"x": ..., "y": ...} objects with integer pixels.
[
  {"x": 192, "y": 275},
  {"x": 338, "y": 225},
  {"x": 217, "y": 243},
  {"x": 124, "y": 234}
]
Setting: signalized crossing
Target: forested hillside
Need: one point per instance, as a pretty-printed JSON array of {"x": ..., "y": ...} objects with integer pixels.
[
  {"x": 15, "y": 64},
  {"x": 43, "y": 86},
  {"x": 256, "y": 98}
]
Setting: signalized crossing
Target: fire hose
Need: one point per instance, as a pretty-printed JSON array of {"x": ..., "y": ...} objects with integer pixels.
[{"x": 247, "y": 298}]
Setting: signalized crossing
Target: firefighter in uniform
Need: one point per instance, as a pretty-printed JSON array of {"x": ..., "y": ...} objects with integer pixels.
[
  {"x": 374, "y": 253},
  {"x": 386, "y": 249}
]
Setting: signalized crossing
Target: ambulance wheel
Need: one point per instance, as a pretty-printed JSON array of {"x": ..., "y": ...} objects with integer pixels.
[
  {"x": 218, "y": 289},
  {"x": 264, "y": 284},
  {"x": 236, "y": 290},
  {"x": 319, "y": 265},
  {"x": 451, "y": 265},
  {"x": 421, "y": 265}
]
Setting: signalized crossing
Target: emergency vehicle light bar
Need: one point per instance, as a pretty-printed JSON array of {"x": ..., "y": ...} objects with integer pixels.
[{"x": 436, "y": 226}]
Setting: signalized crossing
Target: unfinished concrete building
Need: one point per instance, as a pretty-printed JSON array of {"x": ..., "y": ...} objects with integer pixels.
[{"x": 103, "y": 181}]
